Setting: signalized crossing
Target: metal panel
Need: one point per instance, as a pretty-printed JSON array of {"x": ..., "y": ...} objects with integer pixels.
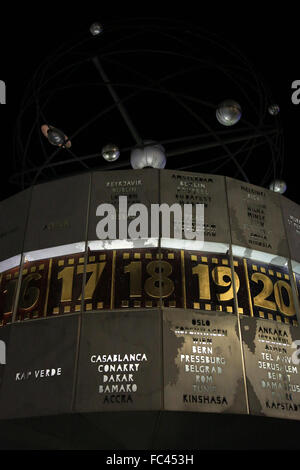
[
  {"x": 291, "y": 218},
  {"x": 202, "y": 362},
  {"x": 13, "y": 215},
  {"x": 34, "y": 290},
  {"x": 140, "y": 186},
  {"x": 4, "y": 341},
  {"x": 273, "y": 379},
  {"x": 256, "y": 218},
  {"x": 133, "y": 286},
  {"x": 196, "y": 188},
  {"x": 49, "y": 287},
  {"x": 209, "y": 281},
  {"x": 120, "y": 366},
  {"x": 265, "y": 291},
  {"x": 41, "y": 357},
  {"x": 58, "y": 213},
  {"x": 129, "y": 279},
  {"x": 8, "y": 289},
  {"x": 297, "y": 282},
  {"x": 143, "y": 276},
  {"x": 99, "y": 278}
]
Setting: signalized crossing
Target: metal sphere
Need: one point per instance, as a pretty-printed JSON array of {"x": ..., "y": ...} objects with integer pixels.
[
  {"x": 56, "y": 137},
  {"x": 110, "y": 152},
  {"x": 96, "y": 29},
  {"x": 228, "y": 113},
  {"x": 130, "y": 106},
  {"x": 274, "y": 109},
  {"x": 278, "y": 186},
  {"x": 152, "y": 156}
]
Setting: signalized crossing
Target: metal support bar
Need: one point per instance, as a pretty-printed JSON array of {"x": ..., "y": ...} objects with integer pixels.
[
  {"x": 236, "y": 304},
  {"x": 118, "y": 102},
  {"x": 170, "y": 153},
  {"x": 208, "y": 145}
]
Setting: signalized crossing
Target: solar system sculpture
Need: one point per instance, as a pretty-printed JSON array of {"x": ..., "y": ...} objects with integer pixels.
[{"x": 158, "y": 341}]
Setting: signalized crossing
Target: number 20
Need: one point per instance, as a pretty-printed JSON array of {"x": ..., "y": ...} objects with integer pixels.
[{"x": 260, "y": 300}]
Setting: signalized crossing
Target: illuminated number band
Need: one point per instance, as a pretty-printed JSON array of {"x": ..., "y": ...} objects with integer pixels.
[{"x": 144, "y": 278}]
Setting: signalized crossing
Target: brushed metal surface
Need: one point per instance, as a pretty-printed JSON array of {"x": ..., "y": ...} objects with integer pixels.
[
  {"x": 256, "y": 218},
  {"x": 140, "y": 186},
  {"x": 202, "y": 362},
  {"x": 273, "y": 380},
  {"x": 120, "y": 362},
  {"x": 58, "y": 213},
  {"x": 13, "y": 216},
  {"x": 197, "y": 188},
  {"x": 291, "y": 218},
  {"x": 36, "y": 349}
]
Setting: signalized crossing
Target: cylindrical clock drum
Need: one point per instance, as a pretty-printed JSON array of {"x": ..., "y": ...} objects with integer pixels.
[{"x": 155, "y": 342}]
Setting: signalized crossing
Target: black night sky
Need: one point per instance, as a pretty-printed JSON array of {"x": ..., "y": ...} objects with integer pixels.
[
  {"x": 267, "y": 33},
  {"x": 268, "y": 39}
]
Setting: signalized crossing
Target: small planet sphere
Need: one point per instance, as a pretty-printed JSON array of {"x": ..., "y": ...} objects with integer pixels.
[
  {"x": 149, "y": 156},
  {"x": 96, "y": 29},
  {"x": 110, "y": 152},
  {"x": 273, "y": 109},
  {"x": 278, "y": 186},
  {"x": 228, "y": 113},
  {"x": 56, "y": 137}
]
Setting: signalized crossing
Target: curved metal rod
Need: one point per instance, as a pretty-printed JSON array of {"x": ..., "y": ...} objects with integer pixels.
[
  {"x": 253, "y": 126},
  {"x": 194, "y": 99},
  {"x": 120, "y": 106},
  {"x": 212, "y": 160},
  {"x": 178, "y": 152},
  {"x": 97, "y": 117},
  {"x": 126, "y": 149},
  {"x": 175, "y": 97}
]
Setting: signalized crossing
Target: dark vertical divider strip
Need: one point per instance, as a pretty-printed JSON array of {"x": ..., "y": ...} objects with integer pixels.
[
  {"x": 17, "y": 293},
  {"x": 79, "y": 328},
  {"x": 236, "y": 301},
  {"x": 291, "y": 273}
]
